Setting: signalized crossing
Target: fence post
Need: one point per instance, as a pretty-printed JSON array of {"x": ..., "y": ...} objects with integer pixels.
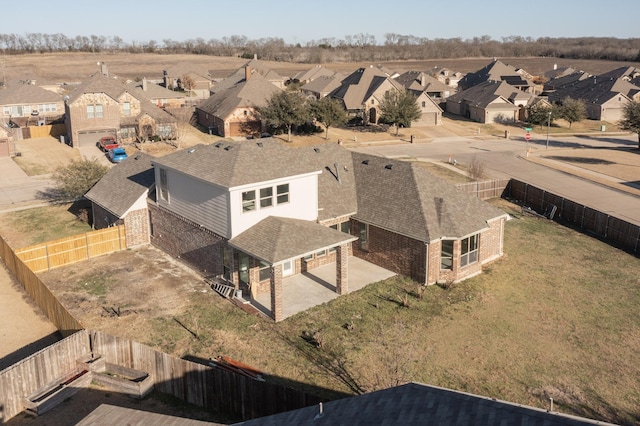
[
  {"x": 46, "y": 252},
  {"x": 86, "y": 242},
  {"x": 635, "y": 249},
  {"x": 606, "y": 227},
  {"x": 582, "y": 219}
]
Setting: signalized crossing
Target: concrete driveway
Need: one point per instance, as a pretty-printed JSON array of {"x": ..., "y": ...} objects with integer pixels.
[
  {"x": 18, "y": 189},
  {"x": 304, "y": 291}
]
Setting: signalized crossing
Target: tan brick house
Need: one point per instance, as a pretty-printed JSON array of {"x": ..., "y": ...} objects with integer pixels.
[{"x": 103, "y": 106}]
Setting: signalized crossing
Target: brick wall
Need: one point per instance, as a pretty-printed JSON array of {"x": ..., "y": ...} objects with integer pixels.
[
  {"x": 491, "y": 241},
  {"x": 195, "y": 246},
  {"x": 137, "y": 228},
  {"x": 400, "y": 254}
]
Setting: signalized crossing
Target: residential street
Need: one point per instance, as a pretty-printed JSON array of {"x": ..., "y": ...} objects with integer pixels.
[{"x": 507, "y": 158}]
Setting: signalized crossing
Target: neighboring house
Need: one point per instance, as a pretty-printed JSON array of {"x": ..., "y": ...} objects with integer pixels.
[
  {"x": 26, "y": 105},
  {"x": 231, "y": 111},
  {"x": 321, "y": 86},
  {"x": 120, "y": 198},
  {"x": 604, "y": 95},
  {"x": 419, "y": 404},
  {"x": 7, "y": 148},
  {"x": 102, "y": 106},
  {"x": 310, "y": 75},
  {"x": 388, "y": 71},
  {"x": 498, "y": 71},
  {"x": 158, "y": 95},
  {"x": 362, "y": 91},
  {"x": 202, "y": 80},
  {"x": 264, "y": 70},
  {"x": 484, "y": 103},
  {"x": 565, "y": 80},
  {"x": 447, "y": 76},
  {"x": 254, "y": 212},
  {"x": 417, "y": 82},
  {"x": 430, "y": 109}
]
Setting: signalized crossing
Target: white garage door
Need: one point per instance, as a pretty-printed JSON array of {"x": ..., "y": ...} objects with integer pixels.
[{"x": 91, "y": 138}]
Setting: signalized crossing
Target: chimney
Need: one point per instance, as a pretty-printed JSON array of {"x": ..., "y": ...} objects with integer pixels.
[
  {"x": 247, "y": 73},
  {"x": 144, "y": 84},
  {"x": 555, "y": 67},
  {"x": 423, "y": 80},
  {"x": 104, "y": 69},
  {"x": 255, "y": 56}
]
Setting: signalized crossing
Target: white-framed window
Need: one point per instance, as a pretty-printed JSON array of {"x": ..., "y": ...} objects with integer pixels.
[
  {"x": 91, "y": 111},
  {"x": 469, "y": 250},
  {"x": 287, "y": 268},
  {"x": 128, "y": 132},
  {"x": 164, "y": 189},
  {"x": 248, "y": 201},
  {"x": 308, "y": 257},
  {"x": 99, "y": 111},
  {"x": 282, "y": 192},
  {"x": 6, "y": 111},
  {"x": 266, "y": 197},
  {"x": 43, "y": 108},
  {"x": 345, "y": 227},
  {"x": 165, "y": 131},
  {"x": 265, "y": 271},
  {"x": 332, "y": 249},
  {"x": 126, "y": 109},
  {"x": 446, "y": 254},
  {"x": 321, "y": 253}
]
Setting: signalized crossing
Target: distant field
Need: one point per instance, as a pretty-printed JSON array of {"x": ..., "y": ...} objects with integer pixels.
[{"x": 68, "y": 67}]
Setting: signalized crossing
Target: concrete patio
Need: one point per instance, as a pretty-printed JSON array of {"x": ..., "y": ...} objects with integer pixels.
[{"x": 309, "y": 289}]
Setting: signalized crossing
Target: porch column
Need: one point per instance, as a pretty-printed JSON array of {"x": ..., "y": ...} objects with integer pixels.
[
  {"x": 276, "y": 293},
  {"x": 342, "y": 269}
]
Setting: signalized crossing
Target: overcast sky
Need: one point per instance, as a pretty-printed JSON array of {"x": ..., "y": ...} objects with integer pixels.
[{"x": 302, "y": 21}]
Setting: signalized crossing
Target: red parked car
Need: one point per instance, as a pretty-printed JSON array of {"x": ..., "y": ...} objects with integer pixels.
[{"x": 107, "y": 142}]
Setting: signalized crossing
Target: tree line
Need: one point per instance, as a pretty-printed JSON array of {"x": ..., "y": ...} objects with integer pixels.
[{"x": 351, "y": 48}]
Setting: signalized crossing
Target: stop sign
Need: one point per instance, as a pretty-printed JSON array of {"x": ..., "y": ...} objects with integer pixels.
[{"x": 527, "y": 136}]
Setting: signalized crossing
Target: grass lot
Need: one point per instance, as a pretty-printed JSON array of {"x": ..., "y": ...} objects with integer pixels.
[
  {"x": 556, "y": 317},
  {"x": 32, "y": 226}
]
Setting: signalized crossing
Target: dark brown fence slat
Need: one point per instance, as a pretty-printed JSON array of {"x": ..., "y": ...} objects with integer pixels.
[{"x": 615, "y": 231}]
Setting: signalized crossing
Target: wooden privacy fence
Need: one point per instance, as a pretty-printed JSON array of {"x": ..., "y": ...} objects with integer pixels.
[
  {"x": 223, "y": 391},
  {"x": 39, "y": 292},
  {"x": 30, "y": 374},
  {"x": 613, "y": 230},
  {"x": 486, "y": 189},
  {"x": 57, "y": 253}
]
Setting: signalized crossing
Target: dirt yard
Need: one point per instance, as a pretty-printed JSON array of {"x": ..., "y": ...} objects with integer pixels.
[{"x": 104, "y": 292}]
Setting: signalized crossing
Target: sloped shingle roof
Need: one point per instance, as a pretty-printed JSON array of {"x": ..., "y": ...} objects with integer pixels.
[
  {"x": 483, "y": 94},
  {"x": 419, "y": 404},
  {"x": 254, "y": 92},
  {"x": 359, "y": 86},
  {"x": 18, "y": 93},
  {"x": 403, "y": 198},
  {"x": 123, "y": 184},
  {"x": 494, "y": 71},
  {"x": 275, "y": 239}
]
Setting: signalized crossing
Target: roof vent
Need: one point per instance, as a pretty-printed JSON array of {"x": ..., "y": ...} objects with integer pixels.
[
  {"x": 191, "y": 151},
  {"x": 260, "y": 144},
  {"x": 218, "y": 145},
  {"x": 365, "y": 162},
  {"x": 389, "y": 166},
  {"x": 316, "y": 149},
  {"x": 228, "y": 148}
]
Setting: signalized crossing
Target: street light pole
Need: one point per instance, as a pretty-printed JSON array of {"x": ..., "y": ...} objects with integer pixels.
[{"x": 548, "y": 124}]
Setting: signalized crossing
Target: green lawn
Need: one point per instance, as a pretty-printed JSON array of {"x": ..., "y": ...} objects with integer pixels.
[{"x": 556, "y": 317}]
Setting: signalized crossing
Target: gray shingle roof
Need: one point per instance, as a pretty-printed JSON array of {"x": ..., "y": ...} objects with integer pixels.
[
  {"x": 483, "y": 94},
  {"x": 275, "y": 239},
  {"x": 358, "y": 86},
  {"x": 418, "y": 404},
  {"x": 323, "y": 85},
  {"x": 494, "y": 71},
  {"x": 98, "y": 83},
  {"x": 18, "y": 93},
  {"x": 252, "y": 93},
  {"x": 595, "y": 90},
  {"x": 123, "y": 185},
  {"x": 230, "y": 164},
  {"x": 419, "y": 81},
  {"x": 314, "y": 73},
  {"x": 406, "y": 199},
  {"x": 153, "y": 91}
]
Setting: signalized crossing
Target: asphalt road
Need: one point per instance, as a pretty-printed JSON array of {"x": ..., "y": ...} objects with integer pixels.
[{"x": 504, "y": 158}]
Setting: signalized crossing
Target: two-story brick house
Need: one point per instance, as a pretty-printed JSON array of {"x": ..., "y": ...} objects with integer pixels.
[
  {"x": 103, "y": 106},
  {"x": 255, "y": 212}
]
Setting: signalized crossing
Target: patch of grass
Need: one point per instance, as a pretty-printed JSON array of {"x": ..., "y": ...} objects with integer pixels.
[
  {"x": 33, "y": 226},
  {"x": 444, "y": 172},
  {"x": 96, "y": 285}
]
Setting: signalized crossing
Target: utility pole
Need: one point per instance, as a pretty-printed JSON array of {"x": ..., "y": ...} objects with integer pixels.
[{"x": 548, "y": 124}]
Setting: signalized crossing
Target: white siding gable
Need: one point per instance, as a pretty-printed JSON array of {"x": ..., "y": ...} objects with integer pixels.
[{"x": 302, "y": 204}]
